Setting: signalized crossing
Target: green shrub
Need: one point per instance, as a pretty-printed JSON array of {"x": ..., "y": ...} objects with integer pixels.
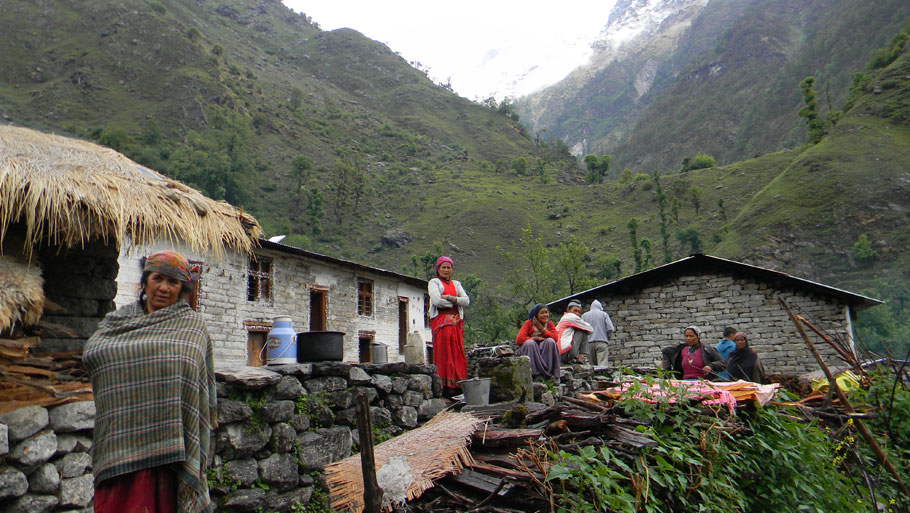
[
  {"x": 158, "y": 7},
  {"x": 862, "y": 251}
]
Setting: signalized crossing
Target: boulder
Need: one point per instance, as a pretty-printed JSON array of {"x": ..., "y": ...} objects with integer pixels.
[
  {"x": 283, "y": 437},
  {"x": 13, "y": 483},
  {"x": 280, "y": 471},
  {"x": 250, "y": 499},
  {"x": 405, "y": 416},
  {"x": 396, "y": 238},
  {"x": 277, "y": 411},
  {"x": 430, "y": 407},
  {"x": 233, "y": 411},
  {"x": 244, "y": 471},
  {"x": 24, "y": 422},
  {"x": 315, "y": 449},
  {"x": 45, "y": 479},
  {"x": 30, "y": 504},
  {"x": 285, "y": 501},
  {"x": 510, "y": 378},
  {"x": 400, "y": 384},
  {"x": 238, "y": 440},
  {"x": 69, "y": 442},
  {"x": 4, "y": 440},
  {"x": 71, "y": 417},
  {"x": 77, "y": 491},
  {"x": 289, "y": 387},
  {"x": 35, "y": 450},
  {"x": 73, "y": 464}
]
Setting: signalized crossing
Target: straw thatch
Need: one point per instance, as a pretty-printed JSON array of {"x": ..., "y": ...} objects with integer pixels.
[
  {"x": 69, "y": 192},
  {"x": 420, "y": 456},
  {"x": 21, "y": 293}
]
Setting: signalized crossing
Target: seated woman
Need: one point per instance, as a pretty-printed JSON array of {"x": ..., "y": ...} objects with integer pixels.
[
  {"x": 744, "y": 363},
  {"x": 537, "y": 340},
  {"x": 692, "y": 360}
]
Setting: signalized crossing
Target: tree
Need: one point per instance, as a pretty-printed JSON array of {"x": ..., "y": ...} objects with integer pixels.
[
  {"x": 314, "y": 211},
  {"x": 340, "y": 187},
  {"x": 862, "y": 251},
  {"x": 520, "y": 166},
  {"x": 625, "y": 176},
  {"x": 722, "y": 209},
  {"x": 597, "y": 167},
  {"x": 424, "y": 265},
  {"x": 695, "y": 194},
  {"x": 570, "y": 263},
  {"x": 296, "y": 97},
  {"x": 691, "y": 237},
  {"x": 674, "y": 211},
  {"x": 608, "y": 267},
  {"x": 662, "y": 212},
  {"x": 529, "y": 272},
  {"x": 636, "y": 249},
  {"x": 301, "y": 166},
  {"x": 814, "y": 124},
  {"x": 647, "y": 258},
  {"x": 701, "y": 161}
]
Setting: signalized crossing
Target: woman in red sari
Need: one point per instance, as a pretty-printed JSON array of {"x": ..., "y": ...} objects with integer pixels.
[{"x": 447, "y": 302}]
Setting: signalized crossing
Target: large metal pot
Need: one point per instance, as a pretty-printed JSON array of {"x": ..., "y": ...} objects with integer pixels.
[{"x": 318, "y": 346}]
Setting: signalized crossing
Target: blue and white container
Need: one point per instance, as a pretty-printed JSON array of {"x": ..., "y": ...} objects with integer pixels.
[{"x": 282, "y": 342}]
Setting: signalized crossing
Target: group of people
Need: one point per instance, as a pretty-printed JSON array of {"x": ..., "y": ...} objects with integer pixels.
[
  {"x": 152, "y": 369},
  {"x": 731, "y": 359}
]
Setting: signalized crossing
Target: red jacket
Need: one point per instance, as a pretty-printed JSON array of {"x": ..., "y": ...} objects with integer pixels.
[{"x": 528, "y": 327}]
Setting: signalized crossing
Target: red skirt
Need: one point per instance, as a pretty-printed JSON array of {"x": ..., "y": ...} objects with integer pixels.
[
  {"x": 151, "y": 490},
  {"x": 448, "y": 349}
]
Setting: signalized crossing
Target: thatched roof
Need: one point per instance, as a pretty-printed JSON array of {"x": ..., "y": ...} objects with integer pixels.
[
  {"x": 21, "y": 293},
  {"x": 70, "y": 192}
]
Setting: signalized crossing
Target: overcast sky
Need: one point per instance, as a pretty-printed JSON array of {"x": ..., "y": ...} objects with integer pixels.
[{"x": 478, "y": 44}]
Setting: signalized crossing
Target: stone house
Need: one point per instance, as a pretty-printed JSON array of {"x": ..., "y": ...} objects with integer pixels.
[
  {"x": 239, "y": 296},
  {"x": 652, "y": 308},
  {"x": 68, "y": 209}
]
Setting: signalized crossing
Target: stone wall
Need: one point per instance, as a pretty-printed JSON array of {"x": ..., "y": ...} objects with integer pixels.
[
  {"x": 654, "y": 317},
  {"x": 277, "y": 428},
  {"x": 224, "y": 306},
  {"x": 83, "y": 282}
]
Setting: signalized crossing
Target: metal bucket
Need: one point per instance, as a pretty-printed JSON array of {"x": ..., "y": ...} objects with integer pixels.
[
  {"x": 476, "y": 391},
  {"x": 282, "y": 342},
  {"x": 317, "y": 346},
  {"x": 379, "y": 353}
]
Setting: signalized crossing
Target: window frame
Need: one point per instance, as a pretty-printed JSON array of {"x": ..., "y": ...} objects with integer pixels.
[
  {"x": 264, "y": 280},
  {"x": 365, "y": 298}
]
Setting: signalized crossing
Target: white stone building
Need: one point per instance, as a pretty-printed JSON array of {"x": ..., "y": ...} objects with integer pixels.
[
  {"x": 651, "y": 309},
  {"x": 239, "y": 296}
]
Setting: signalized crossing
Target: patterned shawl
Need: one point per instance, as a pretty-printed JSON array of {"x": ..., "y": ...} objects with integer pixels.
[{"x": 154, "y": 383}]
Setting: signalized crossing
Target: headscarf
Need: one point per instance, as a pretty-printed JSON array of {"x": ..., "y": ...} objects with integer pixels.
[
  {"x": 534, "y": 309},
  {"x": 169, "y": 263},
  {"x": 742, "y": 361},
  {"x": 441, "y": 260},
  {"x": 695, "y": 330}
]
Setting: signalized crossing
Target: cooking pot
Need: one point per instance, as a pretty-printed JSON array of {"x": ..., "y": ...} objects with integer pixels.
[{"x": 317, "y": 346}]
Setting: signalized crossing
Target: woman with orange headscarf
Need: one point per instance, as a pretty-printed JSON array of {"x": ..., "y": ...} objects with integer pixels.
[{"x": 447, "y": 302}]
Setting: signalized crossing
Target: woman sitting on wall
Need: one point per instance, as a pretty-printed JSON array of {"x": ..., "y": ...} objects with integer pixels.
[
  {"x": 152, "y": 369},
  {"x": 692, "y": 360},
  {"x": 537, "y": 340},
  {"x": 744, "y": 363},
  {"x": 447, "y": 302}
]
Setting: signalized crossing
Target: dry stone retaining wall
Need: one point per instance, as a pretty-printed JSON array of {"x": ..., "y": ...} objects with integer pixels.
[{"x": 277, "y": 428}]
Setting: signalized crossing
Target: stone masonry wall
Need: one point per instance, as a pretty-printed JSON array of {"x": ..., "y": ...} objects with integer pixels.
[
  {"x": 224, "y": 306},
  {"x": 654, "y": 317},
  {"x": 277, "y": 428}
]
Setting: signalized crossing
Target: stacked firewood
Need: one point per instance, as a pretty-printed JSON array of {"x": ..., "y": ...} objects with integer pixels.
[
  {"x": 43, "y": 379},
  {"x": 509, "y": 470}
]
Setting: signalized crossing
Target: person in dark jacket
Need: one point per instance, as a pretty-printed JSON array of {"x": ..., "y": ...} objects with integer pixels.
[
  {"x": 744, "y": 363},
  {"x": 692, "y": 360}
]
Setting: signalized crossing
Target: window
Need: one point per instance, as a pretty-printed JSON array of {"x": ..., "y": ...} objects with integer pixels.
[
  {"x": 259, "y": 279},
  {"x": 364, "y": 296},
  {"x": 426, "y": 311}
]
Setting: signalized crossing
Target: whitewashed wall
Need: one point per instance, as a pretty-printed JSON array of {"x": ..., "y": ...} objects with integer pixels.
[{"x": 224, "y": 306}]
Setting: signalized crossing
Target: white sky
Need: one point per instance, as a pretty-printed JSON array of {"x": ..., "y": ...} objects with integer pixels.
[{"x": 481, "y": 45}]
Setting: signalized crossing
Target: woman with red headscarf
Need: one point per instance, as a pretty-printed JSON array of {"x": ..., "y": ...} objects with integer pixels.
[{"x": 447, "y": 302}]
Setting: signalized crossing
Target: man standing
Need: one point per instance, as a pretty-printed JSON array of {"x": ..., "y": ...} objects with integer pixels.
[
  {"x": 725, "y": 347},
  {"x": 603, "y": 330}
]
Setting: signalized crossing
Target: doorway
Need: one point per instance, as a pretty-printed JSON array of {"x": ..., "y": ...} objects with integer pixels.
[
  {"x": 317, "y": 308},
  {"x": 256, "y": 337},
  {"x": 402, "y": 323}
]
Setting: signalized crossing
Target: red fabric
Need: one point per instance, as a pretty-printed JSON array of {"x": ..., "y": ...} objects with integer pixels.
[
  {"x": 448, "y": 348},
  {"x": 448, "y": 288},
  {"x": 151, "y": 490},
  {"x": 692, "y": 364},
  {"x": 528, "y": 328}
]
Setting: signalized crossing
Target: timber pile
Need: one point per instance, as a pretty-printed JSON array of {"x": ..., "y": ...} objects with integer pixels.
[
  {"x": 43, "y": 379},
  {"x": 510, "y": 466}
]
